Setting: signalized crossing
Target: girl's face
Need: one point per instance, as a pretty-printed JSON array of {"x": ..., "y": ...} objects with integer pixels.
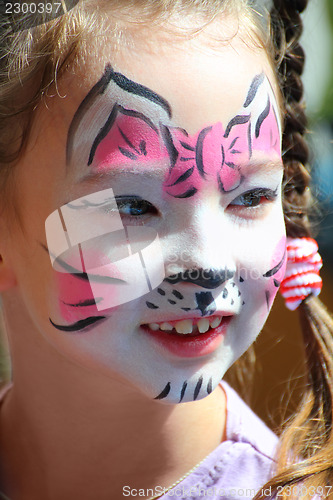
[{"x": 150, "y": 196}]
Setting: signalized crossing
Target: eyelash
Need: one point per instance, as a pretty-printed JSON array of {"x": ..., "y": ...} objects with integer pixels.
[
  {"x": 256, "y": 194},
  {"x": 263, "y": 197},
  {"x": 141, "y": 207},
  {"x": 136, "y": 205}
]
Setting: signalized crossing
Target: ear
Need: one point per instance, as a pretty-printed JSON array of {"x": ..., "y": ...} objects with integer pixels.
[{"x": 7, "y": 276}]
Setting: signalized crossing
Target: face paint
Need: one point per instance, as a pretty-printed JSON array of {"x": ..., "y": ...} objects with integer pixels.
[
  {"x": 200, "y": 157},
  {"x": 129, "y": 135},
  {"x": 277, "y": 272},
  {"x": 164, "y": 394},
  {"x": 171, "y": 334},
  {"x": 134, "y": 121},
  {"x": 120, "y": 263},
  {"x": 219, "y": 153},
  {"x": 76, "y": 299}
]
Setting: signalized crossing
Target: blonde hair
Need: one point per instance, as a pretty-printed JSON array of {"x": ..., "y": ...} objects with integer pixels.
[{"x": 34, "y": 59}]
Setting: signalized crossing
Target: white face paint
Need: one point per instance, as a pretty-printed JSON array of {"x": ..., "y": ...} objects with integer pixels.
[{"x": 167, "y": 242}]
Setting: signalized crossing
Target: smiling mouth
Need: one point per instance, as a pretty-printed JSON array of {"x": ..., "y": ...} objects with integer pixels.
[
  {"x": 189, "y": 338},
  {"x": 188, "y": 327}
]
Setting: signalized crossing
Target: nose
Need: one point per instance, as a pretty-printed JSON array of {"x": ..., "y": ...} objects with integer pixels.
[
  {"x": 205, "y": 278},
  {"x": 203, "y": 247}
]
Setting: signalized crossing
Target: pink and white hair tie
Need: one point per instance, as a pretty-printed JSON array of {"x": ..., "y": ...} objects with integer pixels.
[{"x": 302, "y": 273}]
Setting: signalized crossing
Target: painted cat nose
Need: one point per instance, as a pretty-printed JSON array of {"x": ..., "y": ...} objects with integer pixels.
[{"x": 205, "y": 278}]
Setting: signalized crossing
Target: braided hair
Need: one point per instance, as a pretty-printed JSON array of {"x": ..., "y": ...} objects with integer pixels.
[{"x": 305, "y": 461}]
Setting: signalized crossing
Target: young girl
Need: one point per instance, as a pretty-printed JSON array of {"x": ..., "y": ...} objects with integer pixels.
[{"x": 152, "y": 164}]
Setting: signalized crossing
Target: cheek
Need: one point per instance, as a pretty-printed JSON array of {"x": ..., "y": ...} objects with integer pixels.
[
  {"x": 71, "y": 292},
  {"x": 276, "y": 272},
  {"x": 91, "y": 284},
  {"x": 263, "y": 271},
  {"x": 103, "y": 282}
]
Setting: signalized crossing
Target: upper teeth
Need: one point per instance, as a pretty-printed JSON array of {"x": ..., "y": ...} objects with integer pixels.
[{"x": 186, "y": 325}]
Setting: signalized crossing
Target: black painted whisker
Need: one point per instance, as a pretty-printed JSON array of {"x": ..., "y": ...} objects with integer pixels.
[
  {"x": 85, "y": 303},
  {"x": 165, "y": 392},
  {"x": 277, "y": 268},
  {"x": 197, "y": 388},
  {"x": 79, "y": 325},
  {"x": 182, "y": 394}
]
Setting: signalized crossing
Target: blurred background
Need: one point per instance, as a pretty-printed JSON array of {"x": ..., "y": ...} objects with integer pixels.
[
  {"x": 279, "y": 381},
  {"x": 318, "y": 81}
]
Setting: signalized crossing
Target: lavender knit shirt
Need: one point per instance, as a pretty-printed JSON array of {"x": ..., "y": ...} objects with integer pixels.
[{"x": 239, "y": 466}]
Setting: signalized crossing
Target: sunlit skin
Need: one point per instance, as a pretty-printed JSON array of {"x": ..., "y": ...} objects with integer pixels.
[{"x": 88, "y": 397}]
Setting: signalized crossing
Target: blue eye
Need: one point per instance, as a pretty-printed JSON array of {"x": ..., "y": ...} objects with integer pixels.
[
  {"x": 135, "y": 206},
  {"x": 254, "y": 198}
]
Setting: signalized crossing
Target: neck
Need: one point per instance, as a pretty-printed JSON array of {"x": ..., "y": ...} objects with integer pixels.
[{"x": 92, "y": 434}]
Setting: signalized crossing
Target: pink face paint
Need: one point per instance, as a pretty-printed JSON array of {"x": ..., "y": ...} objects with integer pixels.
[
  {"x": 267, "y": 135},
  {"x": 83, "y": 294},
  {"x": 208, "y": 153},
  {"x": 72, "y": 293},
  {"x": 131, "y": 138},
  {"x": 183, "y": 179},
  {"x": 213, "y": 153},
  {"x": 111, "y": 277}
]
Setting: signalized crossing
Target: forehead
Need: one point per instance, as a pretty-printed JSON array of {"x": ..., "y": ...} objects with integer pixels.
[
  {"x": 193, "y": 82},
  {"x": 203, "y": 79}
]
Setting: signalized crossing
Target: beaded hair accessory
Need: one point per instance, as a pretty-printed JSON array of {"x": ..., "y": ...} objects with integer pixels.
[{"x": 302, "y": 273}]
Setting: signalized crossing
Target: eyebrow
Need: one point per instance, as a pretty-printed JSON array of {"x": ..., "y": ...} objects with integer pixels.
[{"x": 98, "y": 89}]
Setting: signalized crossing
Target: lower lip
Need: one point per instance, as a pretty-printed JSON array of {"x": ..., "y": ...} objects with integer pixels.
[{"x": 186, "y": 346}]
